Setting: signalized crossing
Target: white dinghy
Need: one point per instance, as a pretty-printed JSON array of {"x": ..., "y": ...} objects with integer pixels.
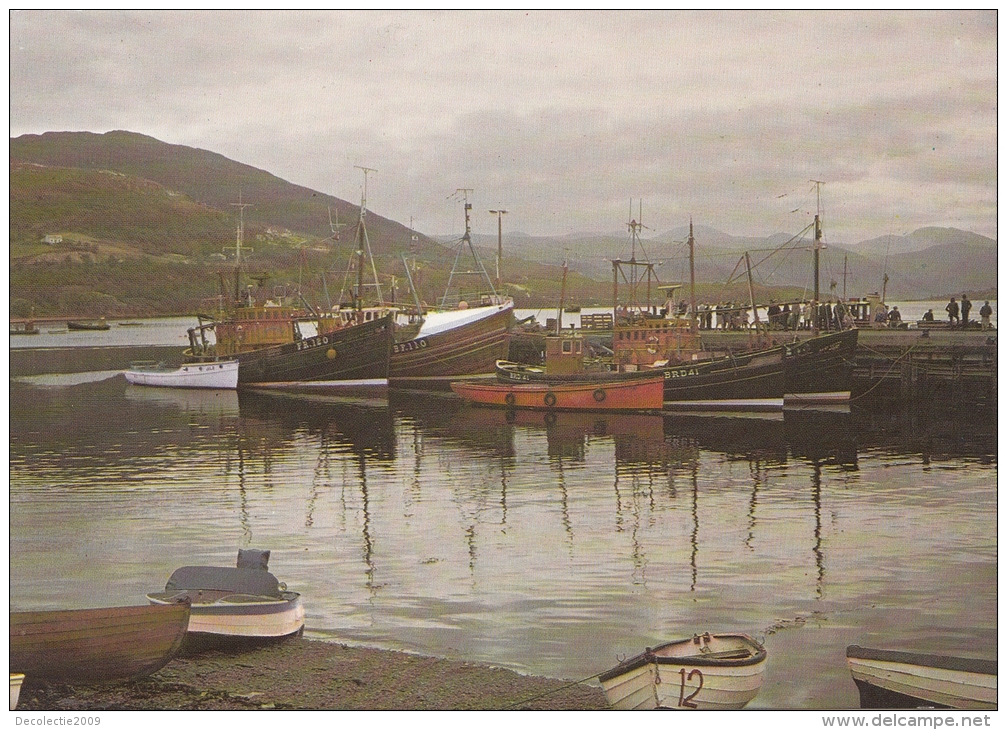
[
  {"x": 242, "y": 603},
  {"x": 706, "y": 672},
  {"x": 894, "y": 679},
  {"x": 222, "y": 375}
]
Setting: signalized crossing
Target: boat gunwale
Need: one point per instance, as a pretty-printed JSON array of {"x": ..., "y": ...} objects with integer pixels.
[
  {"x": 698, "y": 660},
  {"x": 934, "y": 661}
]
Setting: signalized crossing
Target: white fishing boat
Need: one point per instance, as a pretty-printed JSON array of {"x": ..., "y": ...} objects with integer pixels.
[
  {"x": 894, "y": 679},
  {"x": 706, "y": 672},
  {"x": 15, "y": 688},
  {"x": 222, "y": 375},
  {"x": 245, "y": 602}
]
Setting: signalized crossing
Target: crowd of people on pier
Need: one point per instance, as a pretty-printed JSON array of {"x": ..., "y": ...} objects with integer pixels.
[
  {"x": 826, "y": 316},
  {"x": 954, "y": 320}
]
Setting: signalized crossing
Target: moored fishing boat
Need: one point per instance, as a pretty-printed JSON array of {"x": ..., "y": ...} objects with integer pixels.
[
  {"x": 636, "y": 394},
  {"x": 241, "y": 603},
  {"x": 24, "y": 328},
  {"x": 819, "y": 370},
  {"x": 706, "y": 672},
  {"x": 96, "y": 644},
  {"x": 279, "y": 345},
  {"x": 452, "y": 341},
  {"x": 814, "y": 371},
  {"x": 896, "y": 679},
  {"x": 516, "y": 372},
  {"x": 221, "y": 375},
  {"x": 450, "y": 344}
]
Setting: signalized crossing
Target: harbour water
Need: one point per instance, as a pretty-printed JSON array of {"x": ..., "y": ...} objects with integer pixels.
[{"x": 549, "y": 545}]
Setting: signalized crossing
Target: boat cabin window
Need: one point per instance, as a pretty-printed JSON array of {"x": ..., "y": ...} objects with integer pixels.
[{"x": 567, "y": 346}]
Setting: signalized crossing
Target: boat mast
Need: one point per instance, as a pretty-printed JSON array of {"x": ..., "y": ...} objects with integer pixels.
[
  {"x": 237, "y": 248},
  {"x": 412, "y": 287},
  {"x": 499, "y": 214},
  {"x": 817, "y": 248},
  {"x": 363, "y": 238},
  {"x": 692, "y": 278},
  {"x": 751, "y": 291},
  {"x": 562, "y": 296},
  {"x": 466, "y": 242}
]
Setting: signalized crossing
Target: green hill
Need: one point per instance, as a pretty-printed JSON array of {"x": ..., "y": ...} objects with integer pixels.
[{"x": 208, "y": 178}]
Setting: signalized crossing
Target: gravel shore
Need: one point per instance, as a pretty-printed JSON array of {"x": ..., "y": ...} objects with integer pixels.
[{"x": 305, "y": 674}]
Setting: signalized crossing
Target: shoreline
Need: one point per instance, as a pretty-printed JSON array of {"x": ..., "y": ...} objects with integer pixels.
[{"x": 309, "y": 674}]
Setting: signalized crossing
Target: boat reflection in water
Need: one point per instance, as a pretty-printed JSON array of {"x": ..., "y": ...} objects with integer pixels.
[
  {"x": 186, "y": 400},
  {"x": 521, "y": 539}
]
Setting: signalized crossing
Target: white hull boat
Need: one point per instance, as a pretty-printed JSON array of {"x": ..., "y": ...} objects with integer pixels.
[
  {"x": 242, "y": 603},
  {"x": 894, "y": 679},
  {"x": 222, "y": 375},
  {"x": 706, "y": 672},
  {"x": 16, "y": 680}
]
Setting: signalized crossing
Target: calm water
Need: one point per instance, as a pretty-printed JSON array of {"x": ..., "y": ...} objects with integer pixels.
[{"x": 552, "y": 548}]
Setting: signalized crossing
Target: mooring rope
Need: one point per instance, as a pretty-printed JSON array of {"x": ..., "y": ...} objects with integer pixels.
[
  {"x": 568, "y": 685},
  {"x": 892, "y": 367}
]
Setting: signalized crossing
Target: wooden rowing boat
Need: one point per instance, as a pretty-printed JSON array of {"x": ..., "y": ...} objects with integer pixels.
[
  {"x": 246, "y": 602},
  {"x": 96, "y": 644},
  {"x": 893, "y": 679},
  {"x": 16, "y": 679},
  {"x": 706, "y": 672},
  {"x": 638, "y": 394}
]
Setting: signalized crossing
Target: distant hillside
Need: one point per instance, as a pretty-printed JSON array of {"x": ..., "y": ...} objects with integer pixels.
[
  {"x": 919, "y": 240},
  {"x": 88, "y": 205},
  {"x": 210, "y": 179}
]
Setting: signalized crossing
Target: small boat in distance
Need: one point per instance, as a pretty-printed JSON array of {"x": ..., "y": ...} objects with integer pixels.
[
  {"x": 706, "y": 672},
  {"x": 96, "y": 644},
  {"x": 897, "y": 679},
  {"x": 638, "y": 394},
  {"x": 81, "y": 324},
  {"x": 222, "y": 375},
  {"x": 233, "y": 604},
  {"x": 130, "y": 324},
  {"x": 23, "y": 328}
]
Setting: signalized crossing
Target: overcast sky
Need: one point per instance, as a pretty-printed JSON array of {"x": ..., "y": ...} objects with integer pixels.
[{"x": 559, "y": 117}]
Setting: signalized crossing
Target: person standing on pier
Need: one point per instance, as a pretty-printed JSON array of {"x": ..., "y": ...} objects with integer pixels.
[
  {"x": 795, "y": 317},
  {"x": 952, "y": 310},
  {"x": 966, "y": 308},
  {"x": 894, "y": 318},
  {"x": 985, "y": 312}
]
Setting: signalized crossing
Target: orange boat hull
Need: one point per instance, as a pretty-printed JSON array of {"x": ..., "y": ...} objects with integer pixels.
[{"x": 632, "y": 395}]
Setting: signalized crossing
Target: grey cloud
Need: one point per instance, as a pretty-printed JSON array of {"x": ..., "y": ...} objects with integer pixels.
[{"x": 559, "y": 116}]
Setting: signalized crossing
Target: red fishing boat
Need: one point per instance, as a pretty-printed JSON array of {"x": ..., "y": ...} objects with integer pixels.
[{"x": 636, "y": 394}]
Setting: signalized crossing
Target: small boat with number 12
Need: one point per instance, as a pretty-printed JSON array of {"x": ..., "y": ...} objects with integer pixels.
[{"x": 706, "y": 672}]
